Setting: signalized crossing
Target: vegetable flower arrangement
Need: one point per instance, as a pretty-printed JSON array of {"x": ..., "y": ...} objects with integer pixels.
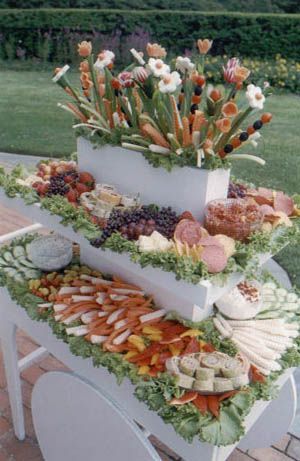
[{"x": 166, "y": 111}]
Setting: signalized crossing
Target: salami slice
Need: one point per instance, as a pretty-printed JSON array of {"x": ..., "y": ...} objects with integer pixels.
[
  {"x": 215, "y": 258},
  {"x": 187, "y": 215},
  {"x": 284, "y": 203},
  {"x": 189, "y": 232}
]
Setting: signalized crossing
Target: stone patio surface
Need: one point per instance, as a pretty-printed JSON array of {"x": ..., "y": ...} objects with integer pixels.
[{"x": 286, "y": 449}]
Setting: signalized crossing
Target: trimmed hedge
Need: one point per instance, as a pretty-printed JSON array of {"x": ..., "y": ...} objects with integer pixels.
[{"x": 52, "y": 34}]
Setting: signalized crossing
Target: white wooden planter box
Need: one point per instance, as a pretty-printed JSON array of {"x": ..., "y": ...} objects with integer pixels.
[
  {"x": 185, "y": 188},
  {"x": 191, "y": 301}
]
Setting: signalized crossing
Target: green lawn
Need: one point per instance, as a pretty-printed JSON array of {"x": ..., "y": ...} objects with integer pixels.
[{"x": 31, "y": 123}]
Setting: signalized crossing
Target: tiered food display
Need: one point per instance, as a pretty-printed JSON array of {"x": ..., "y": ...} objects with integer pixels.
[
  {"x": 204, "y": 377},
  {"x": 233, "y": 232},
  {"x": 200, "y": 377}
]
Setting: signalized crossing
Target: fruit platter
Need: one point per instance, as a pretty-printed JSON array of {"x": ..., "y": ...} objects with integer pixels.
[{"x": 119, "y": 326}]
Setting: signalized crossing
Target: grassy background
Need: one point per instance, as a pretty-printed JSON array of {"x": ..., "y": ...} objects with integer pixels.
[{"x": 31, "y": 123}]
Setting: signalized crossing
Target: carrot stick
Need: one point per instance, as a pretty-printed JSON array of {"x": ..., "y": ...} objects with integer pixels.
[
  {"x": 127, "y": 286},
  {"x": 201, "y": 403},
  {"x": 213, "y": 405},
  {"x": 186, "y": 132},
  {"x": 155, "y": 135},
  {"x": 227, "y": 395}
]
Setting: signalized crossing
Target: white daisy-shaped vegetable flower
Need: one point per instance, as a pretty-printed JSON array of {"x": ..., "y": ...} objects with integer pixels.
[
  {"x": 184, "y": 64},
  {"x": 169, "y": 82},
  {"x": 105, "y": 58},
  {"x": 60, "y": 73},
  {"x": 158, "y": 67},
  {"x": 255, "y": 97}
]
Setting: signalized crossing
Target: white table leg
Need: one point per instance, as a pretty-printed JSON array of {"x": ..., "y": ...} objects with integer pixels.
[{"x": 10, "y": 356}]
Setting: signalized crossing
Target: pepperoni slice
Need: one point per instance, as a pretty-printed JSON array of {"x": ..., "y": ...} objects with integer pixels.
[
  {"x": 284, "y": 203},
  {"x": 215, "y": 258}
]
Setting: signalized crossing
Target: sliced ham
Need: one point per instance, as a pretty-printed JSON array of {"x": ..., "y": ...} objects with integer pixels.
[
  {"x": 284, "y": 203},
  {"x": 215, "y": 258}
]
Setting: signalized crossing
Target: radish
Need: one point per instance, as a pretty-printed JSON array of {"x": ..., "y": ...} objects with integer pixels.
[
  {"x": 77, "y": 331},
  {"x": 68, "y": 290},
  {"x": 87, "y": 290},
  {"x": 59, "y": 307},
  {"x": 45, "y": 305},
  {"x": 101, "y": 297},
  {"x": 114, "y": 316},
  {"x": 96, "y": 339},
  {"x": 122, "y": 337},
  {"x": 77, "y": 298},
  {"x": 88, "y": 317},
  {"x": 153, "y": 316},
  {"x": 120, "y": 324},
  {"x": 102, "y": 314},
  {"x": 118, "y": 297},
  {"x": 72, "y": 318},
  {"x": 96, "y": 281}
]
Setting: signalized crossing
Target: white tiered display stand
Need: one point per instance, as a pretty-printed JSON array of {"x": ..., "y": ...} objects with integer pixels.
[{"x": 87, "y": 414}]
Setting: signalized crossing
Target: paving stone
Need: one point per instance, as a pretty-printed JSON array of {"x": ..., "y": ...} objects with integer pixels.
[
  {"x": 50, "y": 363},
  {"x": 268, "y": 454},
  {"x": 294, "y": 449},
  {"x": 283, "y": 442},
  {"x": 32, "y": 374},
  {"x": 4, "y": 456},
  {"x": 26, "y": 393},
  {"x": 4, "y": 426},
  {"x": 2, "y": 372},
  {"x": 238, "y": 455},
  {"x": 22, "y": 451},
  {"x": 4, "y": 401}
]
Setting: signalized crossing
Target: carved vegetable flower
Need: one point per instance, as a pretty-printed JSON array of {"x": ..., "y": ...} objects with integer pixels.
[
  {"x": 184, "y": 64},
  {"x": 140, "y": 74},
  {"x": 241, "y": 74},
  {"x": 255, "y": 97},
  {"x": 204, "y": 45},
  {"x": 229, "y": 70},
  {"x": 155, "y": 50},
  {"x": 223, "y": 124},
  {"x": 126, "y": 79},
  {"x": 158, "y": 67},
  {"x": 105, "y": 59},
  {"x": 230, "y": 109},
  {"x": 169, "y": 82},
  {"x": 84, "y": 49},
  {"x": 84, "y": 66}
]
